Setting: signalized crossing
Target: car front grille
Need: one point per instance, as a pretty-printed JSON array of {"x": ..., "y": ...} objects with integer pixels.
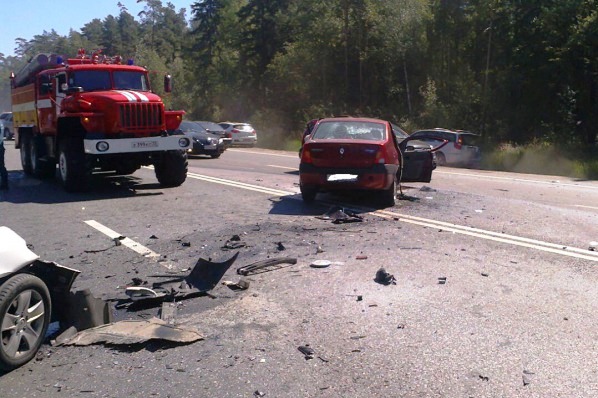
[{"x": 141, "y": 116}]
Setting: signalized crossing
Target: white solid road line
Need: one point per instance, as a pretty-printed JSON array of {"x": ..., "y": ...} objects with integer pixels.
[
  {"x": 130, "y": 243},
  {"x": 283, "y": 167},
  {"x": 553, "y": 183},
  {"x": 264, "y": 153}
]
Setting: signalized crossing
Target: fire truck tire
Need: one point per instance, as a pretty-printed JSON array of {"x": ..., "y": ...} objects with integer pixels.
[
  {"x": 41, "y": 168},
  {"x": 25, "y": 149},
  {"x": 72, "y": 169},
  {"x": 25, "y": 303},
  {"x": 171, "y": 168}
]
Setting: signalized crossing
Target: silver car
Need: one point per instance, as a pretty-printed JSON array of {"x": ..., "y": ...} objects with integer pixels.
[
  {"x": 6, "y": 127},
  {"x": 460, "y": 150},
  {"x": 242, "y": 133}
]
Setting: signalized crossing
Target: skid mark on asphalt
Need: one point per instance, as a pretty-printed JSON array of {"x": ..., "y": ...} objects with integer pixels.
[{"x": 130, "y": 243}]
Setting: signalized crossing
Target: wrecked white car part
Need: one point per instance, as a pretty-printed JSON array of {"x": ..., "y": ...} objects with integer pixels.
[{"x": 29, "y": 289}]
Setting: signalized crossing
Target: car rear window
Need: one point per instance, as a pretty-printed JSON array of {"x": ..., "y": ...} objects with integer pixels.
[
  {"x": 370, "y": 131},
  {"x": 243, "y": 127}
]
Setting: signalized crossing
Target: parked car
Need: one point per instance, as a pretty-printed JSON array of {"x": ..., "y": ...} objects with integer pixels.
[
  {"x": 461, "y": 150},
  {"x": 6, "y": 126},
  {"x": 243, "y": 134},
  {"x": 33, "y": 293},
  {"x": 348, "y": 153},
  {"x": 204, "y": 142},
  {"x": 215, "y": 128}
]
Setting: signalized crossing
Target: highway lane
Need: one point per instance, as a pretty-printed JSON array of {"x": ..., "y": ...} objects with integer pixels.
[{"x": 509, "y": 308}]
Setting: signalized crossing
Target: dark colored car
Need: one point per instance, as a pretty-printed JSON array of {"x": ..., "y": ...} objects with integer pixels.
[
  {"x": 215, "y": 128},
  {"x": 461, "y": 149},
  {"x": 412, "y": 145},
  {"x": 348, "y": 153},
  {"x": 204, "y": 142}
]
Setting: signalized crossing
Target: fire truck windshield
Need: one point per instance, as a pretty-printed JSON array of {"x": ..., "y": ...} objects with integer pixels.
[{"x": 93, "y": 80}]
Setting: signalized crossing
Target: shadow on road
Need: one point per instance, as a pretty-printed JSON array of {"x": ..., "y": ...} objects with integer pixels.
[{"x": 25, "y": 189}]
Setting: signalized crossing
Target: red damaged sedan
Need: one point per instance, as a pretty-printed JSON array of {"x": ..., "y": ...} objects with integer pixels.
[{"x": 348, "y": 153}]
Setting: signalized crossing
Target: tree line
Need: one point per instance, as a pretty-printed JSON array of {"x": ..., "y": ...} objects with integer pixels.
[{"x": 514, "y": 71}]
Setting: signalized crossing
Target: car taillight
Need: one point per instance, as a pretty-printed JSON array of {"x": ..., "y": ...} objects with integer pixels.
[
  {"x": 235, "y": 131},
  {"x": 380, "y": 158},
  {"x": 305, "y": 155},
  {"x": 459, "y": 143},
  {"x": 252, "y": 132}
]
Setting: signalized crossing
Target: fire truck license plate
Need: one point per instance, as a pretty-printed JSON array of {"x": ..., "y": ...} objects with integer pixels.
[{"x": 145, "y": 144}]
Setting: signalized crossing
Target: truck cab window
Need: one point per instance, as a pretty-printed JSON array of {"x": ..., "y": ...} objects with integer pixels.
[
  {"x": 130, "y": 81},
  {"x": 91, "y": 80}
]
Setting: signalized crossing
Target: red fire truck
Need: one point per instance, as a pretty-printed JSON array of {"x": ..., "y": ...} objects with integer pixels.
[{"x": 94, "y": 113}]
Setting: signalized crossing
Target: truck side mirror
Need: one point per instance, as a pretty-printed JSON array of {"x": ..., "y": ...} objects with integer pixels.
[{"x": 167, "y": 83}]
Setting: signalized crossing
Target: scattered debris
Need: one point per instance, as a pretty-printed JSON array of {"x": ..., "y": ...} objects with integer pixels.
[
  {"x": 441, "y": 280},
  {"x": 426, "y": 188},
  {"x": 204, "y": 276},
  {"x": 186, "y": 244},
  {"x": 86, "y": 311},
  {"x": 233, "y": 244},
  {"x": 307, "y": 351},
  {"x": 241, "y": 285},
  {"x": 359, "y": 298},
  {"x": 340, "y": 215},
  {"x": 264, "y": 265},
  {"x": 401, "y": 326},
  {"x": 319, "y": 250},
  {"x": 280, "y": 247},
  {"x": 484, "y": 378},
  {"x": 134, "y": 332},
  {"x": 320, "y": 264},
  {"x": 153, "y": 237},
  {"x": 485, "y": 274},
  {"x": 361, "y": 257},
  {"x": 384, "y": 278},
  {"x": 258, "y": 393},
  {"x": 593, "y": 246},
  {"x": 168, "y": 312}
]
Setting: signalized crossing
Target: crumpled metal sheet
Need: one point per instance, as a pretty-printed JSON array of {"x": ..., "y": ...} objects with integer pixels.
[{"x": 134, "y": 332}]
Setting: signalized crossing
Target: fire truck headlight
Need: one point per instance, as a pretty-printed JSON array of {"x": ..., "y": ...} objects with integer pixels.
[
  {"x": 102, "y": 146},
  {"x": 183, "y": 142}
]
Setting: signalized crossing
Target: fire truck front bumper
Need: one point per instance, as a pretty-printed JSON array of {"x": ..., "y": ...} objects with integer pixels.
[{"x": 134, "y": 145}]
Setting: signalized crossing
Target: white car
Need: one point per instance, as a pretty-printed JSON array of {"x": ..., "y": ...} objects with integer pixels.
[
  {"x": 242, "y": 133},
  {"x": 29, "y": 290},
  {"x": 461, "y": 147},
  {"x": 6, "y": 127}
]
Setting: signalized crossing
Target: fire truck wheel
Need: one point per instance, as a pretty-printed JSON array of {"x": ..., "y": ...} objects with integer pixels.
[
  {"x": 25, "y": 309},
  {"x": 39, "y": 167},
  {"x": 171, "y": 168},
  {"x": 73, "y": 172},
  {"x": 25, "y": 150}
]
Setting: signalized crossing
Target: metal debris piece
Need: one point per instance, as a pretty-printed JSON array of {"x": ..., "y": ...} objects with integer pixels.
[
  {"x": 262, "y": 266},
  {"x": 280, "y": 247},
  {"x": 204, "y": 276},
  {"x": 86, "y": 311},
  {"x": 168, "y": 313},
  {"x": 385, "y": 278},
  {"x": 153, "y": 237},
  {"x": 441, "y": 280},
  {"x": 134, "y": 332},
  {"x": 340, "y": 215},
  {"x": 241, "y": 285},
  {"x": 307, "y": 351},
  {"x": 361, "y": 257},
  {"x": 233, "y": 245},
  {"x": 258, "y": 393},
  {"x": 426, "y": 188}
]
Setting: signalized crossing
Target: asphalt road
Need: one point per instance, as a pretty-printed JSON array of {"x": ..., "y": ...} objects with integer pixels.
[{"x": 516, "y": 315}]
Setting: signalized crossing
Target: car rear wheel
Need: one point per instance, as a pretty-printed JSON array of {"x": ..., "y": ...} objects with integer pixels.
[
  {"x": 25, "y": 309},
  {"x": 389, "y": 196},
  {"x": 441, "y": 159},
  {"x": 308, "y": 193}
]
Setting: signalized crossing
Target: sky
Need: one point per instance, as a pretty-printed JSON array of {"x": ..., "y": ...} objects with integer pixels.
[{"x": 27, "y": 18}]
